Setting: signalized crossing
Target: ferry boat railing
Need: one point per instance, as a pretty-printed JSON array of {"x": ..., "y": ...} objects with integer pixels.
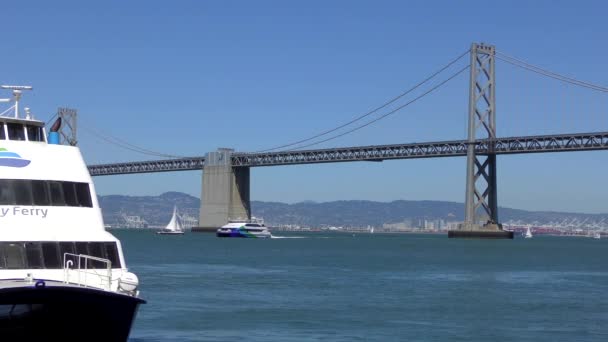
[{"x": 77, "y": 270}]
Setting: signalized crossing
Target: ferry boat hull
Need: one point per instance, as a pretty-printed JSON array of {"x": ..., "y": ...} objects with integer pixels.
[
  {"x": 62, "y": 312},
  {"x": 241, "y": 233}
]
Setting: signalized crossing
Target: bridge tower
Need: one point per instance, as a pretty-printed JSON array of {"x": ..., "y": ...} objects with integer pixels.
[
  {"x": 481, "y": 191},
  {"x": 67, "y": 130},
  {"x": 224, "y": 193}
]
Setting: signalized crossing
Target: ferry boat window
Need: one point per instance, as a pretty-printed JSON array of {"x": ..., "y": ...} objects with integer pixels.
[
  {"x": 50, "y": 252},
  {"x": 96, "y": 249},
  {"x": 67, "y": 247},
  {"x": 15, "y": 131},
  {"x": 23, "y": 191},
  {"x": 56, "y": 193},
  {"x": 112, "y": 254},
  {"x": 85, "y": 248},
  {"x": 7, "y": 195},
  {"x": 40, "y": 192},
  {"x": 14, "y": 256},
  {"x": 34, "y": 133},
  {"x": 82, "y": 248},
  {"x": 70, "y": 194},
  {"x": 83, "y": 194},
  {"x": 2, "y": 134},
  {"x": 33, "y": 252}
]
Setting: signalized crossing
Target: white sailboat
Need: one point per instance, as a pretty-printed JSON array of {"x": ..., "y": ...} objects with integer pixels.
[
  {"x": 174, "y": 226},
  {"x": 528, "y": 234}
]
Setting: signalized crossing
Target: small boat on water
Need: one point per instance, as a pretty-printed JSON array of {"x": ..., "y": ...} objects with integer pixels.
[
  {"x": 63, "y": 277},
  {"x": 597, "y": 235},
  {"x": 528, "y": 234},
  {"x": 174, "y": 227},
  {"x": 244, "y": 229}
]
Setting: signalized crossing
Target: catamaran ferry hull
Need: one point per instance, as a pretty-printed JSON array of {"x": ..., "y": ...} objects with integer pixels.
[
  {"x": 54, "y": 311},
  {"x": 241, "y": 233}
]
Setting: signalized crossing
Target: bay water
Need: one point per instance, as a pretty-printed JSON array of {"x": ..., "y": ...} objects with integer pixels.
[{"x": 368, "y": 287}]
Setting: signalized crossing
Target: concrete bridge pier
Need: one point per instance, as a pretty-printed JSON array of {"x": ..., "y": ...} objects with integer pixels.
[{"x": 224, "y": 193}]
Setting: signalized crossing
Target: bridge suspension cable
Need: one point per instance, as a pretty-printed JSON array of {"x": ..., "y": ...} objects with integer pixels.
[
  {"x": 121, "y": 143},
  {"x": 387, "y": 114},
  {"x": 384, "y": 105},
  {"x": 128, "y": 146},
  {"x": 524, "y": 65}
]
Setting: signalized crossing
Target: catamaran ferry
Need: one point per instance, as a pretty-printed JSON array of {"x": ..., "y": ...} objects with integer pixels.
[
  {"x": 62, "y": 276},
  {"x": 244, "y": 229}
]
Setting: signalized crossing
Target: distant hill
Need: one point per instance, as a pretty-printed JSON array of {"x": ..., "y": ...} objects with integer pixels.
[
  {"x": 156, "y": 210},
  {"x": 363, "y": 213}
]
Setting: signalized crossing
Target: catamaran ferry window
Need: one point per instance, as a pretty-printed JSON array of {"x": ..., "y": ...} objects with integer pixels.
[
  {"x": 43, "y": 192},
  {"x": 2, "y": 134},
  {"x": 49, "y": 254}
]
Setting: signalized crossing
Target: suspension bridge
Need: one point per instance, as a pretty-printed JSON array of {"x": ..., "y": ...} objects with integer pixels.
[{"x": 226, "y": 174}]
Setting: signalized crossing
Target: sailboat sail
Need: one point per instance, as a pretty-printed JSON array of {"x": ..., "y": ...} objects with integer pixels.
[{"x": 174, "y": 224}]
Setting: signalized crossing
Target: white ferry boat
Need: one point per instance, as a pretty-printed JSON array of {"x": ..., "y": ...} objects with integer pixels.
[
  {"x": 244, "y": 229},
  {"x": 63, "y": 277}
]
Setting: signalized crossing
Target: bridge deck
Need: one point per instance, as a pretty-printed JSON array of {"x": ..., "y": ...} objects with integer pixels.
[{"x": 509, "y": 145}]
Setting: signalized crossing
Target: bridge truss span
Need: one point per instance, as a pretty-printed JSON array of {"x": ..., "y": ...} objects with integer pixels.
[
  {"x": 148, "y": 166},
  {"x": 454, "y": 148},
  {"x": 346, "y": 154},
  {"x": 548, "y": 143},
  {"x": 510, "y": 145}
]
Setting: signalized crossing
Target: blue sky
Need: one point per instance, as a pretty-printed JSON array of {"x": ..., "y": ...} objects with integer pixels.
[{"x": 187, "y": 77}]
